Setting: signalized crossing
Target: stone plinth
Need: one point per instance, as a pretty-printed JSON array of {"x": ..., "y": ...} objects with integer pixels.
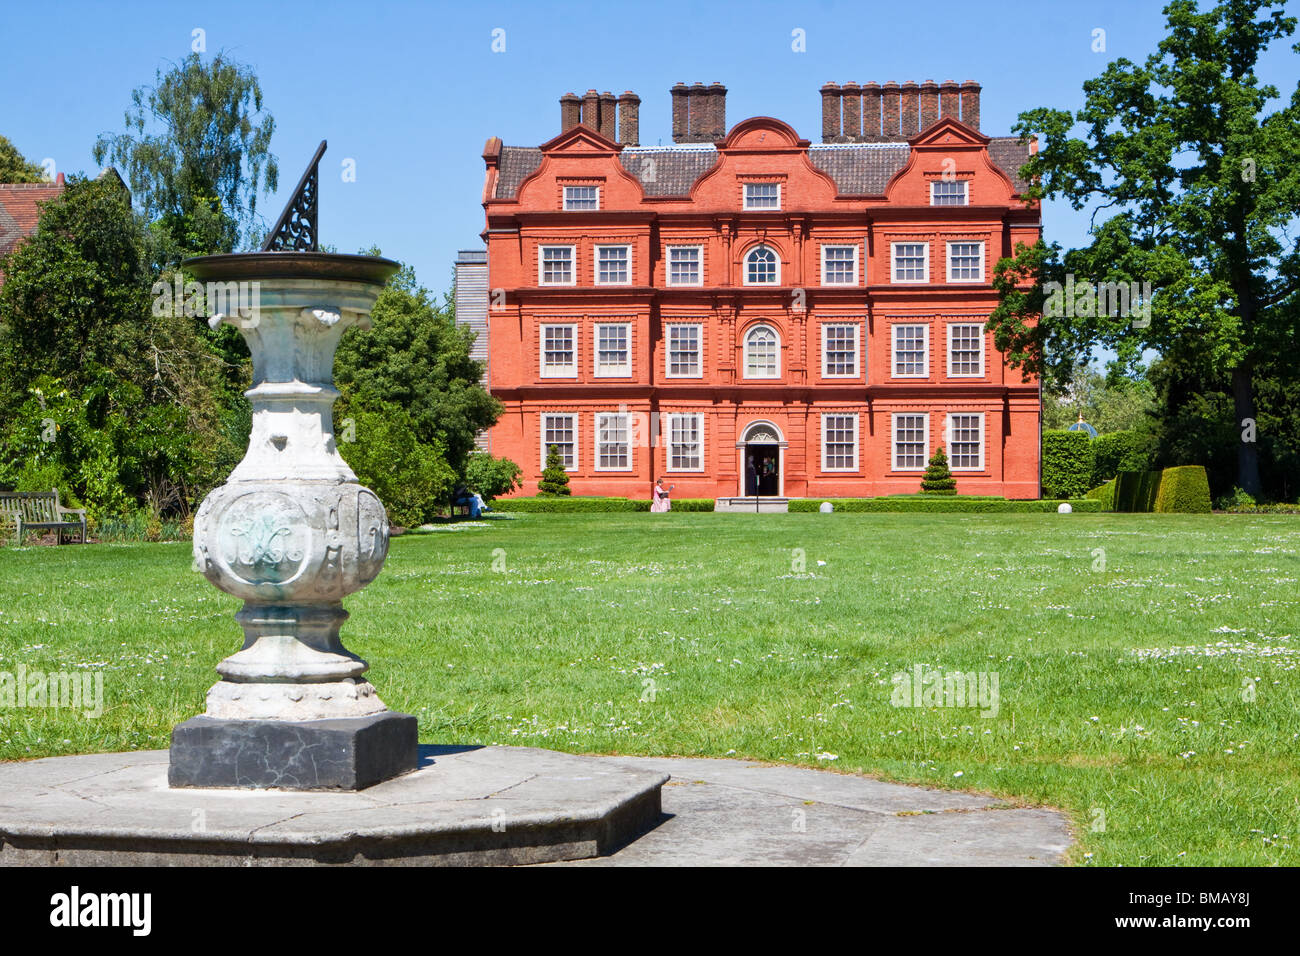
[{"x": 462, "y": 806}]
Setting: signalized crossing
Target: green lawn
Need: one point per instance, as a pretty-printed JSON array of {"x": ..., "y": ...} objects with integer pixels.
[{"x": 1123, "y": 691}]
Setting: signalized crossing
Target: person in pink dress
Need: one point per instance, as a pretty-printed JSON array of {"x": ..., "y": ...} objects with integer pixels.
[{"x": 659, "y": 500}]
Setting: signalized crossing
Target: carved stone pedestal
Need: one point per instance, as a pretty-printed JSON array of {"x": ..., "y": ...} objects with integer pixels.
[{"x": 292, "y": 532}]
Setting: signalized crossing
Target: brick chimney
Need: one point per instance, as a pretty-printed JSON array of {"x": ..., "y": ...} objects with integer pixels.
[
  {"x": 911, "y": 95},
  {"x": 851, "y": 101},
  {"x": 681, "y": 112},
  {"x": 570, "y": 111},
  {"x": 871, "y": 112},
  {"x": 889, "y": 100},
  {"x": 591, "y": 110},
  {"x": 717, "y": 111},
  {"x": 831, "y": 129},
  {"x": 608, "y": 116},
  {"x": 629, "y": 123},
  {"x": 949, "y": 98},
  {"x": 697, "y": 114},
  {"x": 970, "y": 104},
  {"x": 929, "y": 104}
]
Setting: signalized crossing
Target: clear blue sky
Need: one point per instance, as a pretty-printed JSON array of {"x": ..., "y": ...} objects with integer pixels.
[{"x": 410, "y": 91}]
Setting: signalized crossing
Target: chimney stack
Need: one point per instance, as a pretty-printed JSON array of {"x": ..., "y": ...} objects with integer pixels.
[
  {"x": 608, "y": 116},
  {"x": 570, "y": 112},
  {"x": 909, "y": 114},
  {"x": 949, "y": 98},
  {"x": 831, "y": 129},
  {"x": 716, "y": 98},
  {"x": 970, "y": 104},
  {"x": 929, "y": 104},
  {"x": 870, "y": 112},
  {"x": 591, "y": 111},
  {"x": 629, "y": 123},
  {"x": 681, "y": 111},
  {"x": 696, "y": 112},
  {"x": 851, "y": 99},
  {"x": 889, "y": 100}
]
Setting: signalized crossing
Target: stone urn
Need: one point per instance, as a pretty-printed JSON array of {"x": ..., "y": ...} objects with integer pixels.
[{"x": 292, "y": 532}]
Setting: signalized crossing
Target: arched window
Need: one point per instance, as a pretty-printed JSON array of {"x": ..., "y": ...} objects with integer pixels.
[
  {"x": 762, "y": 267},
  {"x": 762, "y": 352}
]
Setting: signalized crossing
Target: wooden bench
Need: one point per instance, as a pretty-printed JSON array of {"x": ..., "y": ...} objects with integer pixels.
[{"x": 41, "y": 511}]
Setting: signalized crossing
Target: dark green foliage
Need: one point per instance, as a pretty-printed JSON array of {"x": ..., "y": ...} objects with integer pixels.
[
  {"x": 196, "y": 153},
  {"x": 415, "y": 356},
  {"x": 1119, "y": 451},
  {"x": 587, "y": 504},
  {"x": 491, "y": 476},
  {"x": 942, "y": 505},
  {"x": 1067, "y": 464},
  {"x": 1183, "y": 490},
  {"x": 14, "y": 167},
  {"x": 555, "y": 480},
  {"x": 410, "y": 477},
  {"x": 1135, "y": 491},
  {"x": 1104, "y": 494},
  {"x": 938, "y": 479},
  {"x": 1186, "y": 162}
]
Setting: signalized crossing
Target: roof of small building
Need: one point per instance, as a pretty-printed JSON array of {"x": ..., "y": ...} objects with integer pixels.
[
  {"x": 858, "y": 169},
  {"x": 20, "y": 209}
]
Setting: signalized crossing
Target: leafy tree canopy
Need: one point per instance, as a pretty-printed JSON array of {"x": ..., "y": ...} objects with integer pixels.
[
  {"x": 1196, "y": 185},
  {"x": 196, "y": 152},
  {"x": 14, "y": 167}
]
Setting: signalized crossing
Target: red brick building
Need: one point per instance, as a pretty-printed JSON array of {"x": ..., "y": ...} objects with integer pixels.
[
  {"x": 746, "y": 313},
  {"x": 20, "y": 208}
]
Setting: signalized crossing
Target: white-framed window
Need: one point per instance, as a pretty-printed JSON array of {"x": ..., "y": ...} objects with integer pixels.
[
  {"x": 762, "y": 195},
  {"x": 683, "y": 354},
  {"x": 555, "y": 265},
  {"x": 911, "y": 439},
  {"x": 966, "y": 262},
  {"x": 685, "y": 265},
  {"x": 839, "y": 265},
  {"x": 613, "y": 265},
  {"x": 911, "y": 261},
  {"x": 561, "y": 430},
  {"x": 839, "y": 350},
  {"x": 762, "y": 352},
  {"x": 966, "y": 441},
  {"x": 559, "y": 350},
  {"x": 965, "y": 350},
  {"x": 613, "y": 352},
  {"x": 613, "y": 442},
  {"x": 686, "y": 442},
  {"x": 762, "y": 266},
  {"x": 839, "y": 442},
  {"x": 911, "y": 347},
  {"x": 949, "y": 192},
  {"x": 581, "y": 197}
]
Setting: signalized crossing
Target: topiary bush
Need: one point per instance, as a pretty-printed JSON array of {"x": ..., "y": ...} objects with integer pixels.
[
  {"x": 581, "y": 504},
  {"x": 1184, "y": 490},
  {"x": 1067, "y": 464},
  {"x": 931, "y": 504},
  {"x": 555, "y": 480},
  {"x": 938, "y": 479},
  {"x": 1105, "y": 494}
]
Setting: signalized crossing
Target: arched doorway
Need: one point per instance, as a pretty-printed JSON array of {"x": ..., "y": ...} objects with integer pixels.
[{"x": 762, "y": 461}]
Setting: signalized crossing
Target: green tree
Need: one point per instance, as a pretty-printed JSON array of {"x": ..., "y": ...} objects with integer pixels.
[
  {"x": 555, "y": 480},
  {"x": 1110, "y": 402},
  {"x": 410, "y": 477},
  {"x": 14, "y": 167},
  {"x": 416, "y": 357},
  {"x": 1198, "y": 185},
  {"x": 938, "y": 480},
  {"x": 196, "y": 152},
  {"x": 491, "y": 476}
]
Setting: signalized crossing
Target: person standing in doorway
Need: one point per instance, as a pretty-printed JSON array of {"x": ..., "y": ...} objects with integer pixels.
[{"x": 659, "y": 500}]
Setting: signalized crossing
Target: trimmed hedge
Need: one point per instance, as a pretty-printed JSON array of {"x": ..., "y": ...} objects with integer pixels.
[
  {"x": 561, "y": 505},
  {"x": 1184, "y": 490},
  {"x": 1067, "y": 464},
  {"x": 1116, "y": 452},
  {"x": 1135, "y": 491},
  {"x": 1105, "y": 494},
  {"x": 942, "y": 505}
]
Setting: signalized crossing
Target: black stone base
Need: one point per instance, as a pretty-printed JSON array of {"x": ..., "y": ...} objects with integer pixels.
[{"x": 349, "y": 754}]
